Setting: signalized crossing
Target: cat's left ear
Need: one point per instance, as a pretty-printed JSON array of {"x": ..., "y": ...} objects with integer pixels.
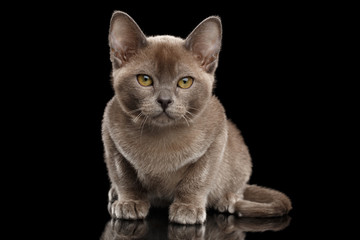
[{"x": 205, "y": 43}]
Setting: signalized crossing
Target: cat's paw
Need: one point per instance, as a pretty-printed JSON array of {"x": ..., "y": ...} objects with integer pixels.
[
  {"x": 129, "y": 209},
  {"x": 186, "y": 213},
  {"x": 227, "y": 203}
]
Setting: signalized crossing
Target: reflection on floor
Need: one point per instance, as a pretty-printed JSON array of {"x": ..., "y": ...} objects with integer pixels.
[{"x": 217, "y": 226}]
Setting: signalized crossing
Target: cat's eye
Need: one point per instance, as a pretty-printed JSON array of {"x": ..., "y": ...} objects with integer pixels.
[
  {"x": 144, "y": 80},
  {"x": 185, "y": 82}
]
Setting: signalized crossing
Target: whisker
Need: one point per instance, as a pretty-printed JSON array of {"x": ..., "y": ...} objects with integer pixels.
[
  {"x": 137, "y": 117},
  {"x": 143, "y": 124},
  {"x": 193, "y": 108},
  {"x": 135, "y": 110},
  {"x": 183, "y": 116},
  {"x": 190, "y": 113}
]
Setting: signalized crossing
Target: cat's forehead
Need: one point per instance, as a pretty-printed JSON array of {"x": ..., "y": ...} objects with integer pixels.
[{"x": 168, "y": 55}]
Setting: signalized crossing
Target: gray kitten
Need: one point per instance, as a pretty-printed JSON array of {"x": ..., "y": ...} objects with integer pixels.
[{"x": 166, "y": 137}]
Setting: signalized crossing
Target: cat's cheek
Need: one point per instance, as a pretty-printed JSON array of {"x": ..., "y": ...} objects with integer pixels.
[
  {"x": 127, "y": 101},
  {"x": 198, "y": 102}
]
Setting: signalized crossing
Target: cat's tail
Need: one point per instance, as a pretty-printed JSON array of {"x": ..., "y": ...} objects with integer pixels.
[{"x": 262, "y": 202}]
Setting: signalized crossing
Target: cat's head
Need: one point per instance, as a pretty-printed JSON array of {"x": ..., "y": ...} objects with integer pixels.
[{"x": 163, "y": 80}]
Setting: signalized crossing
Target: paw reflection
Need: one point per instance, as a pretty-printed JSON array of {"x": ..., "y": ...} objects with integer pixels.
[
  {"x": 177, "y": 231},
  {"x": 125, "y": 229},
  {"x": 217, "y": 226}
]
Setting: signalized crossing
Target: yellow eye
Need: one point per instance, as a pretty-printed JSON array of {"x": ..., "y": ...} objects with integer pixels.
[
  {"x": 144, "y": 80},
  {"x": 185, "y": 82}
]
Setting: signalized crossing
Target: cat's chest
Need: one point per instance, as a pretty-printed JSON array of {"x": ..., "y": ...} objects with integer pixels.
[
  {"x": 162, "y": 186},
  {"x": 161, "y": 153}
]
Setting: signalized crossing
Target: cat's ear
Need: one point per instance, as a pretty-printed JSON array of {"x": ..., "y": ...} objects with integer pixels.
[
  {"x": 205, "y": 43},
  {"x": 125, "y": 38}
]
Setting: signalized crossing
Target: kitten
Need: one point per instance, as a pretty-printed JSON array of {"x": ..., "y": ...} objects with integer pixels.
[{"x": 166, "y": 137}]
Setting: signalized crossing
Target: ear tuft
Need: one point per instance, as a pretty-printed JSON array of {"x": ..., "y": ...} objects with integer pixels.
[
  {"x": 125, "y": 38},
  {"x": 205, "y": 43}
]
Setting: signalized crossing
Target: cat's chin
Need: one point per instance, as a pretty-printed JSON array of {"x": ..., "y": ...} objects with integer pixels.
[
  {"x": 163, "y": 119},
  {"x": 166, "y": 119}
]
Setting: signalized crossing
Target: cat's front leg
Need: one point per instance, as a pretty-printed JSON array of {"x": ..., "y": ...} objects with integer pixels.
[
  {"x": 129, "y": 209},
  {"x": 189, "y": 205},
  {"x": 187, "y": 213},
  {"x": 190, "y": 199},
  {"x": 127, "y": 198}
]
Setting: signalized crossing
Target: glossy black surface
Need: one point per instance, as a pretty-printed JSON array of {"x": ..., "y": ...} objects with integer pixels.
[{"x": 217, "y": 227}]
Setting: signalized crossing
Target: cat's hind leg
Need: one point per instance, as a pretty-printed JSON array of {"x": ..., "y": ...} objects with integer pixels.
[{"x": 227, "y": 202}]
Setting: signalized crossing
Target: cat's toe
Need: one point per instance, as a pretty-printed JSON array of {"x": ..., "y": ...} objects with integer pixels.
[
  {"x": 129, "y": 209},
  {"x": 186, "y": 213}
]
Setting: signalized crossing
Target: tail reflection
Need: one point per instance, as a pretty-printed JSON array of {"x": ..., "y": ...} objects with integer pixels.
[{"x": 217, "y": 226}]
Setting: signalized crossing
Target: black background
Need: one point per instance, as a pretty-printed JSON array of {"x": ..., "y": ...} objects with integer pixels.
[{"x": 267, "y": 80}]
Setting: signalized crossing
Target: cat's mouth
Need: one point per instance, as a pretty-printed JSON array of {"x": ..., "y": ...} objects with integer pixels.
[
  {"x": 164, "y": 118},
  {"x": 165, "y": 115}
]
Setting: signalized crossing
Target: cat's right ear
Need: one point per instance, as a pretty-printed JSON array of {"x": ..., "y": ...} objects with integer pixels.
[{"x": 125, "y": 38}]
